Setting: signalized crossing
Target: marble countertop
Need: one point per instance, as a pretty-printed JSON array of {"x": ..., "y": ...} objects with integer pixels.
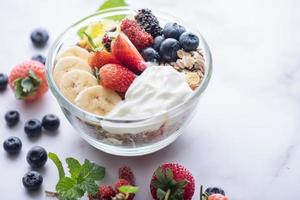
[{"x": 245, "y": 135}]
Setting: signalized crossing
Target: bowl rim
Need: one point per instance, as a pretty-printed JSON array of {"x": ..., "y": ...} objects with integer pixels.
[{"x": 51, "y": 57}]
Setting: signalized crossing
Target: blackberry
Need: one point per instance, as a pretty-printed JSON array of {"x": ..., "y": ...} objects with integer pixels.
[
  {"x": 149, "y": 22},
  {"x": 106, "y": 41}
]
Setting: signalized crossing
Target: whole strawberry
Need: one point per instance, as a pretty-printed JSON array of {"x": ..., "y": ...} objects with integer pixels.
[
  {"x": 172, "y": 181},
  {"x": 126, "y": 173},
  {"x": 217, "y": 197},
  {"x": 116, "y": 77},
  {"x": 106, "y": 192},
  {"x": 28, "y": 80}
]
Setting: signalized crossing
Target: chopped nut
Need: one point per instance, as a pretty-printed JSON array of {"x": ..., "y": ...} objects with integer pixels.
[
  {"x": 193, "y": 79},
  {"x": 181, "y": 53}
]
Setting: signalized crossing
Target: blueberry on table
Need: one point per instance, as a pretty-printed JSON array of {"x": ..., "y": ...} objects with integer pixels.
[
  {"x": 37, "y": 157},
  {"x": 32, "y": 180},
  {"x": 189, "y": 41},
  {"x": 149, "y": 54},
  {"x": 50, "y": 122},
  {"x": 173, "y": 30},
  {"x": 3, "y": 81},
  {"x": 40, "y": 58},
  {"x": 12, "y": 117},
  {"x": 214, "y": 190},
  {"x": 168, "y": 49},
  {"x": 33, "y": 127},
  {"x": 12, "y": 145},
  {"x": 157, "y": 42},
  {"x": 39, "y": 37}
]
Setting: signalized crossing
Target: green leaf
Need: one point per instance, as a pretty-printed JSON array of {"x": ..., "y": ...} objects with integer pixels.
[
  {"x": 128, "y": 189},
  {"x": 181, "y": 184},
  {"x": 160, "y": 194},
  {"x": 169, "y": 174},
  {"x": 112, "y": 3},
  {"x": 67, "y": 189},
  {"x": 89, "y": 186},
  {"x": 177, "y": 194},
  {"x": 81, "y": 31},
  {"x": 58, "y": 164},
  {"x": 90, "y": 170},
  {"x": 90, "y": 41},
  {"x": 158, "y": 184},
  {"x": 116, "y": 17},
  {"x": 74, "y": 167},
  {"x": 160, "y": 175}
]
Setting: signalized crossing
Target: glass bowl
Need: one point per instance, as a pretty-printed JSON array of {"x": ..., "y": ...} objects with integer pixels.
[{"x": 126, "y": 137}]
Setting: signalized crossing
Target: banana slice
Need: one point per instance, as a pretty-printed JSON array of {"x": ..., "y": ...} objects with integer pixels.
[
  {"x": 75, "y": 51},
  {"x": 97, "y": 100},
  {"x": 67, "y": 64},
  {"x": 73, "y": 82}
]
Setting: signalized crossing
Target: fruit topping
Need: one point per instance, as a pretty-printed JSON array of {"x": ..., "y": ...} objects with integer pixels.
[
  {"x": 33, "y": 128},
  {"x": 189, "y": 41},
  {"x": 37, "y": 157},
  {"x": 99, "y": 58},
  {"x": 28, "y": 80},
  {"x": 149, "y": 22},
  {"x": 150, "y": 55},
  {"x": 40, "y": 58},
  {"x": 50, "y": 122},
  {"x": 157, "y": 42},
  {"x": 106, "y": 192},
  {"x": 97, "y": 100},
  {"x": 138, "y": 36},
  {"x": 3, "y": 81},
  {"x": 74, "y": 81},
  {"x": 168, "y": 49},
  {"x": 122, "y": 182},
  {"x": 173, "y": 30},
  {"x": 126, "y": 173},
  {"x": 75, "y": 51},
  {"x": 172, "y": 181},
  {"x": 193, "y": 79},
  {"x": 214, "y": 190},
  {"x": 116, "y": 77},
  {"x": 32, "y": 180},
  {"x": 12, "y": 145},
  {"x": 127, "y": 54},
  {"x": 12, "y": 117},
  {"x": 39, "y": 37},
  {"x": 106, "y": 41}
]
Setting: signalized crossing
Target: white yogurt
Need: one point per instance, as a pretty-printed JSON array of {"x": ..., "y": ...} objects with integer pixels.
[{"x": 156, "y": 90}]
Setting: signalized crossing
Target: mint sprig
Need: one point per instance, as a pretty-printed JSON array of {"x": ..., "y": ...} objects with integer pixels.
[{"x": 82, "y": 178}]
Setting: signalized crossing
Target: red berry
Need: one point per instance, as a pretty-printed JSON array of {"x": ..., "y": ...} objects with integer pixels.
[
  {"x": 127, "y": 174},
  {"x": 127, "y": 54},
  {"x": 100, "y": 58},
  {"x": 116, "y": 77},
  {"x": 180, "y": 173},
  {"x": 138, "y": 36},
  {"x": 28, "y": 80},
  {"x": 217, "y": 197},
  {"x": 106, "y": 192},
  {"x": 120, "y": 183}
]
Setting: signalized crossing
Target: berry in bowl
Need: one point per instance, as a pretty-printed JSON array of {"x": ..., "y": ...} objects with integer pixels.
[{"x": 128, "y": 80}]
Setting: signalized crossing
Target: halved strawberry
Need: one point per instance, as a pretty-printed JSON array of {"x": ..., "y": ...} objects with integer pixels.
[
  {"x": 123, "y": 49},
  {"x": 99, "y": 58}
]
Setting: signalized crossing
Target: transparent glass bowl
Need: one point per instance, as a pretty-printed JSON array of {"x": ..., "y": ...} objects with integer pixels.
[{"x": 153, "y": 133}]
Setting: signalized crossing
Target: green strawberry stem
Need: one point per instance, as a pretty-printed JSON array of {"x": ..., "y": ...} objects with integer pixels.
[{"x": 167, "y": 194}]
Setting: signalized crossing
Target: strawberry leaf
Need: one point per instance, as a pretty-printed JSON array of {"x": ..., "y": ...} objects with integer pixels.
[
  {"x": 27, "y": 85},
  {"x": 160, "y": 194}
]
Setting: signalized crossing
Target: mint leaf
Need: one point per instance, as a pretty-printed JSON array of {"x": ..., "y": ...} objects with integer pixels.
[
  {"x": 90, "y": 170},
  {"x": 58, "y": 164},
  {"x": 74, "y": 167},
  {"x": 89, "y": 186},
  {"x": 128, "y": 189},
  {"x": 67, "y": 189},
  {"x": 112, "y": 3}
]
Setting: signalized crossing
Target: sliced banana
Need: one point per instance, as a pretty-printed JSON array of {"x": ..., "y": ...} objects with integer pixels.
[
  {"x": 73, "y": 82},
  {"x": 75, "y": 51},
  {"x": 97, "y": 100},
  {"x": 67, "y": 64}
]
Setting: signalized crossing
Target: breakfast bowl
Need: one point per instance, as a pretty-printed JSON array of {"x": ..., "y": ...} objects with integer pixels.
[{"x": 142, "y": 134}]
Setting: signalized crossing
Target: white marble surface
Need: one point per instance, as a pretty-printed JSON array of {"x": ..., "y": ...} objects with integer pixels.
[{"x": 245, "y": 135}]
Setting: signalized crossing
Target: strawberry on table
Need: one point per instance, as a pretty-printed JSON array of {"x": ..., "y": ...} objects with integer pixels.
[
  {"x": 28, "y": 80},
  {"x": 126, "y": 173},
  {"x": 106, "y": 192},
  {"x": 217, "y": 197},
  {"x": 99, "y": 58},
  {"x": 123, "y": 49},
  {"x": 116, "y": 77}
]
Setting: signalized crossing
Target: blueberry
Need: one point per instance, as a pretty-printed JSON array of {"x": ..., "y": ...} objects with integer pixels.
[
  {"x": 157, "y": 42},
  {"x": 173, "y": 30},
  {"x": 168, "y": 49},
  {"x": 12, "y": 117},
  {"x": 33, "y": 127},
  {"x": 149, "y": 54},
  {"x": 189, "y": 41},
  {"x": 214, "y": 190},
  {"x": 32, "y": 180},
  {"x": 50, "y": 122},
  {"x": 39, "y": 37},
  {"x": 12, "y": 145},
  {"x": 37, "y": 157},
  {"x": 39, "y": 58},
  {"x": 3, "y": 81}
]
